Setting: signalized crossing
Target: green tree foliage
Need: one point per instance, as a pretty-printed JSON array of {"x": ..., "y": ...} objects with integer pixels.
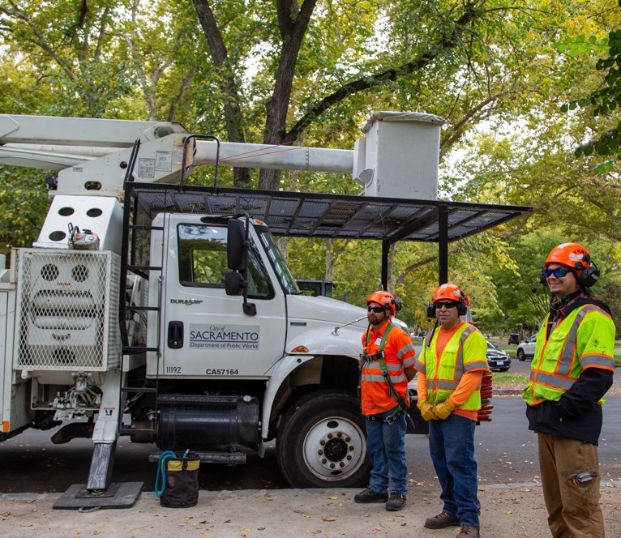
[
  {"x": 605, "y": 100},
  {"x": 310, "y": 71},
  {"x": 23, "y": 206}
]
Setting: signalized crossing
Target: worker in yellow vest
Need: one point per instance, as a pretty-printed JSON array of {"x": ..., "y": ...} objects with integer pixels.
[
  {"x": 450, "y": 369},
  {"x": 571, "y": 371}
]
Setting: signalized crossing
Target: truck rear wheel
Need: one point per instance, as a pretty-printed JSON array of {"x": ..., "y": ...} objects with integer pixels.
[{"x": 322, "y": 442}]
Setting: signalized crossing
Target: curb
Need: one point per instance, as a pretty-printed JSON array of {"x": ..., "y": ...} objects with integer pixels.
[
  {"x": 506, "y": 392},
  {"x": 237, "y": 494}
]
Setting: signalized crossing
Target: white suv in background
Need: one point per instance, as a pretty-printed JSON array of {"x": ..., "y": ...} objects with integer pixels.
[{"x": 526, "y": 350}]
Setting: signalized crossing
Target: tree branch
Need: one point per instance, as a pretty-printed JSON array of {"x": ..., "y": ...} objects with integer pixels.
[
  {"x": 185, "y": 84},
  {"x": 38, "y": 40},
  {"x": 412, "y": 267},
  {"x": 445, "y": 42},
  {"x": 476, "y": 112}
]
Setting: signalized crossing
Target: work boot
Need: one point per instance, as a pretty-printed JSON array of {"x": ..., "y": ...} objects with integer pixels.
[
  {"x": 369, "y": 496},
  {"x": 441, "y": 521},
  {"x": 467, "y": 531},
  {"x": 395, "y": 502}
]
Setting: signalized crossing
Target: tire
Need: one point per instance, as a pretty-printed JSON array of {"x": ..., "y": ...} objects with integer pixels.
[
  {"x": 322, "y": 442},
  {"x": 521, "y": 355}
]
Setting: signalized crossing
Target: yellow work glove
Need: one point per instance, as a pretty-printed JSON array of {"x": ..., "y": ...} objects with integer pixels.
[
  {"x": 443, "y": 410},
  {"x": 426, "y": 410}
]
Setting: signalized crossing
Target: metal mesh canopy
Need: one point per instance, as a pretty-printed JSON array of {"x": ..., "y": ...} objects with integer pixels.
[{"x": 330, "y": 216}]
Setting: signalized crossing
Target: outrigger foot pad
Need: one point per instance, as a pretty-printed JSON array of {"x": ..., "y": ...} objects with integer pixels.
[{"x": 118, "y": 495}]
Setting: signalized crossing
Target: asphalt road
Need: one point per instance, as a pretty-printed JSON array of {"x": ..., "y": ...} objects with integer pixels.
[{"x": 506, "y": 452}]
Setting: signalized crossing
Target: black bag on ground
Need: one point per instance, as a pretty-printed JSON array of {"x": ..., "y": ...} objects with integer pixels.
[{"x": 181, "y": 480}]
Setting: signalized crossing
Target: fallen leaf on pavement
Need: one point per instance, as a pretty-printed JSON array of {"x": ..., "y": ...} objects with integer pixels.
[{"x": 328, "y": 518}]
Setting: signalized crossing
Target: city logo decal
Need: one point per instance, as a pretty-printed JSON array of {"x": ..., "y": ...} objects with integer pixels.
[{"x": 218, "y": 336}]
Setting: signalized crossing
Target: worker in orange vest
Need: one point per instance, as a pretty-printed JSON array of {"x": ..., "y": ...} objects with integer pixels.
[
  {"x": 387, "y": 363},
  {"x": 450, "y": 369}
]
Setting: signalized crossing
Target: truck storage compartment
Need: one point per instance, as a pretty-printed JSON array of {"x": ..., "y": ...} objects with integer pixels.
[{"x": 205, "y": 422}]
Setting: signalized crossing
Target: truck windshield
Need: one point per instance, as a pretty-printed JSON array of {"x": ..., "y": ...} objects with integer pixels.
[{"x": 278, "y": 262}]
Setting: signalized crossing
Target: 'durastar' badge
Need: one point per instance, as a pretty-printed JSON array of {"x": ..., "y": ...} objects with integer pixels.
[{"x": 187, "y": 302}]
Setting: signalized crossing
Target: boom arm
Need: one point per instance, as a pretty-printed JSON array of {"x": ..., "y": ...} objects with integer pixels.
[
  {"x": 97, "y": 151},
  {"x": 91, "y": 155}
]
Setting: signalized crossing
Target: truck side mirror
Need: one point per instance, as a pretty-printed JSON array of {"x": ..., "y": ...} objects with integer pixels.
[
  {"x": 235, "y": 245},
  {"x": 234, "y": 283}
]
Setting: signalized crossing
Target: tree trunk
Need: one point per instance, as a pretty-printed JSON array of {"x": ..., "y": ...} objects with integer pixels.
[
  {"x": 330, "y": 259},
  {"x": 293, "y": 24},
  {"x": 228, "y": 84}
]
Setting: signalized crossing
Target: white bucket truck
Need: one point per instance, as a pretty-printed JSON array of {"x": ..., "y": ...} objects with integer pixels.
[{"x": 165, "y": 312}]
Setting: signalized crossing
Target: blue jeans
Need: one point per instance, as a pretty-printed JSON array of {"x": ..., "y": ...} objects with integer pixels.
[
  {"x": 386, "y": 448},
  {"x": 451, "y": 443}
]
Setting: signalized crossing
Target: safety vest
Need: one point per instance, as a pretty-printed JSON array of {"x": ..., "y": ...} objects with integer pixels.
[
  {"x": 444, "y": 375},
  {"x": 397, "y": 352},
  {"x": 584, "y": 339}
]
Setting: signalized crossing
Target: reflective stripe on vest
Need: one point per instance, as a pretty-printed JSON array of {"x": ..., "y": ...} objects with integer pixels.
[
  {"x": 459, "y": 366},
  {"x": 404, "y": 350},
  {"x": 569, "y": 348},
  {"x": 372, "y": 371}
]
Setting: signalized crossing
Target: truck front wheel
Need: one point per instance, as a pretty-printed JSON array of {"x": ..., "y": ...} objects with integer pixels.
[{"x": 322, "y": 442}]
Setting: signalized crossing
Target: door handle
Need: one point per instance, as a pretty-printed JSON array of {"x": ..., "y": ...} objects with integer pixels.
[{"x": 175, "y": 334}]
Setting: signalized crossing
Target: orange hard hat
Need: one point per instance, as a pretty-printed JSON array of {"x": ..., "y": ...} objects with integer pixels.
[
  {"x": 572, "y": 255},
  {"x": 449, "y": 292},
  {"x": 384, "y": 298}
]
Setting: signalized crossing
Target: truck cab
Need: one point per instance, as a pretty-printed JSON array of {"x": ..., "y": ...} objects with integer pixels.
[{"x": 263, "y": 345}]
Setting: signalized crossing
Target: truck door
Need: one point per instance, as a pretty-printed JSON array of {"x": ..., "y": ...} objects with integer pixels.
[{"x": 205, "y": 332}]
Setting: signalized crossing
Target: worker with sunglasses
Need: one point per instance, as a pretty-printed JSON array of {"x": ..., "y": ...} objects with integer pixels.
[
  {"x": 450, "y": 370},
  {"x": 571, "y": 371},
  {"x": 387, "y": 364}
]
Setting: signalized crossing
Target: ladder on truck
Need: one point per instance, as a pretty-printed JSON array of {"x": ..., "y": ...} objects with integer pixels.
[
  {"x": 137, "y": 233},
  {"x": 138, "y": 227}
]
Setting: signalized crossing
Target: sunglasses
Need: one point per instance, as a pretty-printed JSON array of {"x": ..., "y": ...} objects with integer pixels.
[
  {"x": 446, "y": 304},
  {"x": 559, "y": 272},
  {"x": 376, "y": 309}
]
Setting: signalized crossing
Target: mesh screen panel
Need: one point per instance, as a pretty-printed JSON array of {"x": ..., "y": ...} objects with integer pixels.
[{"x": 67, "y": 310}]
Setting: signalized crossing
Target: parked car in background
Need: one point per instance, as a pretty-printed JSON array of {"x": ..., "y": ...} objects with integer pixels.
[
  {"x": 497, "y": 360},
  {"x": 514, "y": 338},
  {"x": 526, "y": 350}
]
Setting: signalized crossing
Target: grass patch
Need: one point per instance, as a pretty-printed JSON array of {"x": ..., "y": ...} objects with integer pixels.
[{"x": 504, "y": 378}]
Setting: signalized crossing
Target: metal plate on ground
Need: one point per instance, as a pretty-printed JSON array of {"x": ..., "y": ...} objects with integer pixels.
[{"x": 118, "y": 495}]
